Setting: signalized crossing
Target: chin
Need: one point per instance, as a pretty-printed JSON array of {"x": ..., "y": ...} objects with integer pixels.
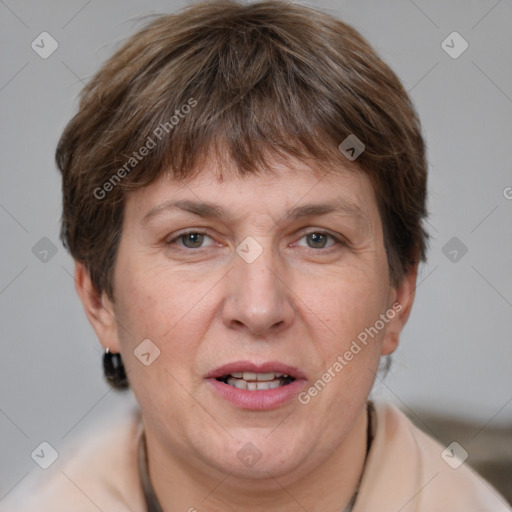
[{"x": 260, "y": 455}]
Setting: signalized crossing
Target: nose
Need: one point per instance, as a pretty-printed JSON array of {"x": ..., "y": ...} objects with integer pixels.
[{"x": 259, "y": 299}]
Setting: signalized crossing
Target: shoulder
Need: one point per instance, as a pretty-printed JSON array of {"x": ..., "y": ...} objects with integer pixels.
[
  {"x": 99, "y": 471},
  {"x": 409, "y": 470}
]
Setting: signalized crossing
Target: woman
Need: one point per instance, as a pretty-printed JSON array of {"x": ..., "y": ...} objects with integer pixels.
[{"x": 243, "y": 194}]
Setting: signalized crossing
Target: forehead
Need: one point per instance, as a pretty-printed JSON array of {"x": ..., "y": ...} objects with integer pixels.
[{"x": 222, "y": 192}]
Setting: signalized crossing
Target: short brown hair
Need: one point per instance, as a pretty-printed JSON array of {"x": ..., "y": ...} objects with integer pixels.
[{"x": 242, "y": 82}]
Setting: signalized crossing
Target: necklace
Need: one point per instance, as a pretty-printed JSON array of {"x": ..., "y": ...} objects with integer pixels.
[{"x": 153, "y": 505}]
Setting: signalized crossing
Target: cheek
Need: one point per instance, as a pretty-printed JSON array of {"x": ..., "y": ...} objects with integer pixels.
[
  {"x": 345, "y": 367},
  {"x": 155, "y": 304},
  {"x": 346, "y": 304},
  {"x": 158, "y": 299},
  {"x": 167, "y": 306}
]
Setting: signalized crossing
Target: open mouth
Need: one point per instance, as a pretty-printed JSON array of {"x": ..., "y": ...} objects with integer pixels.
[
  {"x": 257, "y": 386},
  {"x": 251, "y": 381}
]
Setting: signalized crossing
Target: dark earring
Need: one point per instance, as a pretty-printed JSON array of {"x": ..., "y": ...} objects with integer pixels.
[{"x": 113, "y": 369}]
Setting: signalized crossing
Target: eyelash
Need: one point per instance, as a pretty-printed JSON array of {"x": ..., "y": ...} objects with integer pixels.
[{"x": 337, "y": 241}]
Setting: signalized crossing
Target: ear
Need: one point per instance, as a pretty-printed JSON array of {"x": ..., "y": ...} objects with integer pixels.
[
  {"x": 401, "y": 300},
  {"x": 98, "y": 308}
]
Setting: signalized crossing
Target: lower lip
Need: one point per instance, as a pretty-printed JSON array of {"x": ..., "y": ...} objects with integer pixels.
[{"x": 257, "y": 400}]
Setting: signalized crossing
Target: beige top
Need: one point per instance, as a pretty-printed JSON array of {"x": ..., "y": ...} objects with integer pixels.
[{"x": 404, "y": 472}]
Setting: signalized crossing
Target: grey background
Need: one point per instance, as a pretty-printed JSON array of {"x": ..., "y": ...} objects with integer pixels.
[{"x": 456, "y": 352}]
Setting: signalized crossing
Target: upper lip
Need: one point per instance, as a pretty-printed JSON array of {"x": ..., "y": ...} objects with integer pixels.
[{"x": 248, "y": 366}]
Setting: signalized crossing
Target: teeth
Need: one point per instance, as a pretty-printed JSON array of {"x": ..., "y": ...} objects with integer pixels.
[
  {"x": 254, "y": 385},
  {"x": 262, "y": 377},
  {"x": 253, "y": 381},
  {"x": 237, "y": 383}
]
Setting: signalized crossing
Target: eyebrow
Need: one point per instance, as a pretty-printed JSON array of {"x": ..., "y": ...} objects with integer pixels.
[{"x": 215, "y": 211}]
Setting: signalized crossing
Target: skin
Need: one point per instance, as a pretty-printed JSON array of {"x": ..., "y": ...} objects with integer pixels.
[{"x": 302, "y": 302}]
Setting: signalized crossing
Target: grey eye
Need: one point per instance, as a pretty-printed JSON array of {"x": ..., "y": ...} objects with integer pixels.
[{"x": 195, "y": 239}]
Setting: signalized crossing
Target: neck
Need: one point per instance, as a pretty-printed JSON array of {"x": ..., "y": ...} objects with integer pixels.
[{"x": 328, "y": 487}]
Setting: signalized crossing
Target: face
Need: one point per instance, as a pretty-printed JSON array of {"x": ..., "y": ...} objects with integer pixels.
[{"x": 280, "y": 274}]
